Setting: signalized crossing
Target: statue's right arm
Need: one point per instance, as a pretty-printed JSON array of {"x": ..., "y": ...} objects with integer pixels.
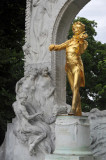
[
  {"x": 25, "y": 114},
  {"x": 19, "y": 83},
  {"x": 58, "y": 47},
  {"x": 29, "y": 117}
]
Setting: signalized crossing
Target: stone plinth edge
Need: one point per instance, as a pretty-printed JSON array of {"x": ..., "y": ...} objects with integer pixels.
[
  {"x": 72, "y": 135},
  {"x": 68, "y": 157}
]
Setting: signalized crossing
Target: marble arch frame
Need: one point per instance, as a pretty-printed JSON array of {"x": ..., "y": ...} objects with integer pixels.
[
  {"x": 62, "y": 14},
  {"x": 59, "y": 35}
]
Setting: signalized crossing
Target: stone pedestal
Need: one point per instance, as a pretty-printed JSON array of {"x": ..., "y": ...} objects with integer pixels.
[{"x": 72, "y": 139}]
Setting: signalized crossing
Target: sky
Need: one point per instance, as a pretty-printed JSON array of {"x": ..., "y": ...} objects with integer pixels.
[{"x": 96, "y": 10}]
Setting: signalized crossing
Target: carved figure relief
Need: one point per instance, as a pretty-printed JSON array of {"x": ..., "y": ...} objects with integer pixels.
[
  {"x": 42, "y": 13},
  {"x": 36, "y": 110}
]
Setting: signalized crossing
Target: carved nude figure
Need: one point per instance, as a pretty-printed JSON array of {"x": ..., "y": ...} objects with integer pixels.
[
  {"x": 29, "y": 123},
  {"x": 26, "y": 127},
  {"x": 74, "y": 66},
  {"x": 32, "y": 127}
]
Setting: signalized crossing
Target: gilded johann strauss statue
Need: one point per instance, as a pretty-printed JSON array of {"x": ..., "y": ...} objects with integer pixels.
[{"x": 74, "y": 66}]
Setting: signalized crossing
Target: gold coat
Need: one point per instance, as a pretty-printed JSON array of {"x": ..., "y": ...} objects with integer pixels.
[{"x": 74, "y": 48}]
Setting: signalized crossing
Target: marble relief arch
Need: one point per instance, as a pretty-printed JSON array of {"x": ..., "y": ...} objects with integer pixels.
[
  {"x": 41, "y": 93},
  {"x": 47, "y": 22}
]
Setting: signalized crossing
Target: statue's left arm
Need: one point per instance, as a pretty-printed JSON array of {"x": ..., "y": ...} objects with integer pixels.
[
  {"x": 82, "y": 46},
  {"x": 26, "y": 115}
]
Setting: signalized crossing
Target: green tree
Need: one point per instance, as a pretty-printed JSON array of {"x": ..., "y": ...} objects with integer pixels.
[
  {"x": 94, "y": 59},
  {"x": 12, "y": 15}
]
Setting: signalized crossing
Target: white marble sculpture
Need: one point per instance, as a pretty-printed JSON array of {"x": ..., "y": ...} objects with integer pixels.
[
  {"x": 72, "y": 139},
  {"x": 36, "y": 110},
  {"x": 98, "y": 133},
  {"x": 41, "y": 93},
  {"x": 48, "y": 21}
]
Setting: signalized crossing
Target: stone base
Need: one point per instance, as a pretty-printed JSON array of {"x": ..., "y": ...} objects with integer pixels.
[
  {"x": 67, "y": 157},
  {"x": 12, "y": 149},
  {"x": 72, "y": 139},
  {"x": 72, "y": 136}
]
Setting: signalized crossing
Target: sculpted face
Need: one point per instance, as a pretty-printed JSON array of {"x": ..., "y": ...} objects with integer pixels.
[
  {"x": 78, "y": 28},
  {"x": 45, "y": 72}
]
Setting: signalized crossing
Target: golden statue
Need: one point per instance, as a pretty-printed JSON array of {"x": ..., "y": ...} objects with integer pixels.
[{"x": 74, "y": 66}]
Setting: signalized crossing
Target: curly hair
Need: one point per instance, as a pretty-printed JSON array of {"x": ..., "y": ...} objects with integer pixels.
[{"x": 78, "y": 23}]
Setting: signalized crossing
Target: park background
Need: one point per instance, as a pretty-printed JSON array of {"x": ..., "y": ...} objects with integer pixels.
[{"x": 12, "y": 31}]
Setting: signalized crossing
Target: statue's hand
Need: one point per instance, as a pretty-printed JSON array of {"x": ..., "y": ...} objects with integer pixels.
[
  {"x": 51, "y": 47},
  {"x": 83, "y": 35},
  {"x": 40, "y": 113}
]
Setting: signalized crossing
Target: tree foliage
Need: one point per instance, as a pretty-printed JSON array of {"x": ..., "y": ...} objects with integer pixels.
[
  {"x": 12, "y": 15},
  {"x": 94, "y": 59}
]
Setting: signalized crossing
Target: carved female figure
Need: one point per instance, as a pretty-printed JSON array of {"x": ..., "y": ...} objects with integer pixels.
[{"x": 42, "y": 11}]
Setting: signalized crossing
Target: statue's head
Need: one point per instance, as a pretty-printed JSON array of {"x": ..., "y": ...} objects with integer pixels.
[
  {"x": 78, "y": 28},
  {"x": 34, "y": 72},
  {"x": 45, "y": 71}
]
